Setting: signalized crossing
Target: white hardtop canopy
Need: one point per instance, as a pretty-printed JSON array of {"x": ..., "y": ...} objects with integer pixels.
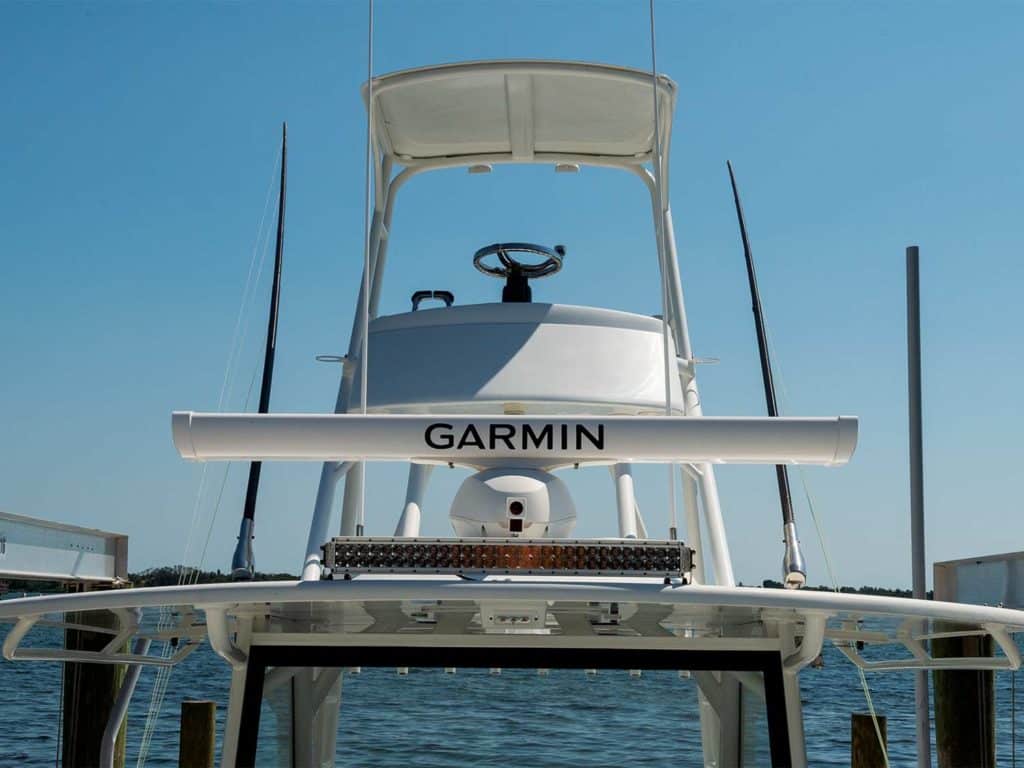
[{"x": 520, "y": 111}]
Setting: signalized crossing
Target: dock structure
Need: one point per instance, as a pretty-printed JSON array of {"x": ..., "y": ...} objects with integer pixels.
[
  {"x": 198, "y": 737},
  {"x": 868, "y": 740},
  {"x": 41, "y": 550},
  {"x": 82, "y": 560},
  {"x": 965, "y": 727}
]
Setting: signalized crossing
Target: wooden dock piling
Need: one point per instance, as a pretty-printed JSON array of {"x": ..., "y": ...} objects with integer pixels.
[
  {"x": 865, "y": 751},
  {"x": 197, "y": 742},
  {"x": 965, "y": 725},
  {"x": 89, "y": 694}
]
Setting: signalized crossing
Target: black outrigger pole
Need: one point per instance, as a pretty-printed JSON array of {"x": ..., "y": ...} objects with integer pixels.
[
  {"x": 794, "y": 570},
  {"x": 242, "y": 565}
]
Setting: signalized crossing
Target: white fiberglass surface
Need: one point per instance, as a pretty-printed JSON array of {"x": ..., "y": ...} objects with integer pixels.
[
  {"x": 540, "y": 356},
  {"x": 327, "y": 596},
  {"x": 519, "y": 108}
]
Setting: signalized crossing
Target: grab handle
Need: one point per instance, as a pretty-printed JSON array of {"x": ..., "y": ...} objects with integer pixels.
[{"x": 446, "y": 296}]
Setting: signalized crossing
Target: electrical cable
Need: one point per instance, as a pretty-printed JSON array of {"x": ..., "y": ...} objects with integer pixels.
[
  {"x": 874, "y": 717},
  {"x": 223, "y": 484},
  {"x": 365, "y": 309},
  {"x": 190, "y": 577},
  {"x": 659, "y": 231},
  {"x": 234, "y": 351},
  {"x": 249, "y": 283}
]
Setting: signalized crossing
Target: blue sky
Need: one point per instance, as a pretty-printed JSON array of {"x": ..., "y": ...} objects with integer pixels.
[{"x": 137, "y": 142}]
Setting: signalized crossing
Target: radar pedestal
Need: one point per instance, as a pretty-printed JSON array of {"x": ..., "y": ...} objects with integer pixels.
[{"x": 509, "y": 502}]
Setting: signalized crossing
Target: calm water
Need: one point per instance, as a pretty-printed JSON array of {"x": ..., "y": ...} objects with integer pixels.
[{"x": 473, "y": 718}]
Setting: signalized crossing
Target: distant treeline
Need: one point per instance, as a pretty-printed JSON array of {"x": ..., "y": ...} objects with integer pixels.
[
  {"x": 883, "y": 591},
  {"x": 169, "y": 575}
]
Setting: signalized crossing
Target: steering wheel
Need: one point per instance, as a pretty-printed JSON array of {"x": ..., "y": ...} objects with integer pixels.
[{"x": 551, "y": 264}]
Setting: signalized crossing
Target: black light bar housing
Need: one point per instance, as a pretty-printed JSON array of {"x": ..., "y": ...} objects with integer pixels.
[{"x": 347, "y": 555}]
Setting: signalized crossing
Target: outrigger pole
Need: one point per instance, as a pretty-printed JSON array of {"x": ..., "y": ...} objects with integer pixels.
[
  {"x": 242, "y": 564},
  {"x": 794, "y": 569}
]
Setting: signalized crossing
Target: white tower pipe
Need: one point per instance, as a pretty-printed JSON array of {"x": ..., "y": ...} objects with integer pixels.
[
  {"x": 692, "y": 510},
  {"x": 321, "y": 523},
  {"x": 625, "y": 498},
  {"x": 409, "y": 523},
  {"x": 718, "y": 543}
]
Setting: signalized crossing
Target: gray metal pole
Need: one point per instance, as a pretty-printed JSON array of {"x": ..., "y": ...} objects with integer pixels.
[{"x": 924, "y": 756}]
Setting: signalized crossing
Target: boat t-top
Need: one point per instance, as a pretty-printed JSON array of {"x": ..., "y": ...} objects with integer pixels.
[{"x": 518, "y": 392}]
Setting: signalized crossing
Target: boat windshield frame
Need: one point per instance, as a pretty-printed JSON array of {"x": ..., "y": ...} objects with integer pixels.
[{"x": 264, "y": 657}]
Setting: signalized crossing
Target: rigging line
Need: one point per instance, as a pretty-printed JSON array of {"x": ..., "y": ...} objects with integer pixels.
[
  {"x": 213, "y": 519},
  {"x": 158, "y": 692},
  {"x": 248, "y": 298},
  {"x": 659, "y": 234},
  {"x": 186, "y": 575},
  {"x": 159, "y": 688},
  {"x": 874, "y": 717},
  {"x": 164, "y": 673},
  {"x": 365, "y": 310},
  {"x": 819, "y": 529},
  {"x": 250, "y": 304},
  {"x": 237, "y": 343},
  {"x": 197, "y": 504},
  {"x": 835, "y": 587},
  {"x": 157, "y": 695},
  {"x": 820, "y": 533},
  {"x": 224, "y": 481},
  {"x": 151, "y": 716},
  {"x": 157, "y": 698},
  {"x": 248, "y": 283},
  {"x": 659, "y": 224}
]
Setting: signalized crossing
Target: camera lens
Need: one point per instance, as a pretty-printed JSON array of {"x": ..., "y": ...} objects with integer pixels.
[{"x": 516, "y": 508}]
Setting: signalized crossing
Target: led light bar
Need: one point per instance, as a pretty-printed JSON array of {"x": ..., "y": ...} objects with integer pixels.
[{"x": 563, "y": 557}]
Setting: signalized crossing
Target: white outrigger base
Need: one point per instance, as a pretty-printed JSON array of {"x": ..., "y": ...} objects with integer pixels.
[{"x": 304, "y": 634}]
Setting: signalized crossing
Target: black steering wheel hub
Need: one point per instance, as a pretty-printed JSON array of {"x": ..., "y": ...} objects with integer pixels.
[{"x": 517, "y": 274}]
